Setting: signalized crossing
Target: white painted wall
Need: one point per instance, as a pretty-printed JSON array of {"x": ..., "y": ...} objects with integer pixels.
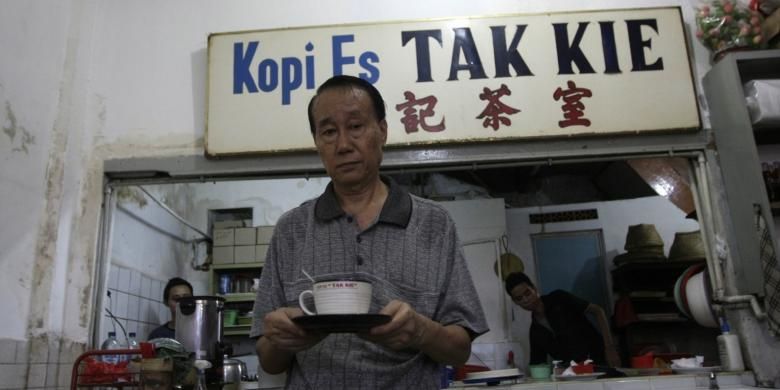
[{"x": 92, "y": 80}]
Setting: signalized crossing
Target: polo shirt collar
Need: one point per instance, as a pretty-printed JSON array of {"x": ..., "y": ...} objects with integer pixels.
[{"x": 397, "y": 209}]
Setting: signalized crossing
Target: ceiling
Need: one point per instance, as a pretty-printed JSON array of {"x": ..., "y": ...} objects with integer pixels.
[{"x": 524, "y": 186}]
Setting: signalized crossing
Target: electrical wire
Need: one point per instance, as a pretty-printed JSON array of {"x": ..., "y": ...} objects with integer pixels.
[
  {"x": 173, "y": 213},
  {"x": 111, "y": 315}
]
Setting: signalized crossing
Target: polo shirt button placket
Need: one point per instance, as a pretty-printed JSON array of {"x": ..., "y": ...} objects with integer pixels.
[{"x": 359, "y": 258}]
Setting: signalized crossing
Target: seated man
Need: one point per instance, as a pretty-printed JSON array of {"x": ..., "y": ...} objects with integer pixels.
[
  {"x": 560, "y": 326},
  {"x": 176, "y": 289}
]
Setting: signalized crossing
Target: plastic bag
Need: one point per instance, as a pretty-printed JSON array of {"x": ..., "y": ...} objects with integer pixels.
[{"x": 724, "y": 25}]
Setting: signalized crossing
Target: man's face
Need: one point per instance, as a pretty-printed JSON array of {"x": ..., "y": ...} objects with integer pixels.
[
  {"x": 525, "y": 296},
  {"x": 176, "y": 293},
  {"x": 348, "y": 136}
]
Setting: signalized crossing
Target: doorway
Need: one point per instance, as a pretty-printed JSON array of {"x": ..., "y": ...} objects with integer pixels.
[{"x": 574, "y": 262}]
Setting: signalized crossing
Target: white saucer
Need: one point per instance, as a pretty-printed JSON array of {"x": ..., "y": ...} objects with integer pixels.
[{"x": 492, "y": 376}]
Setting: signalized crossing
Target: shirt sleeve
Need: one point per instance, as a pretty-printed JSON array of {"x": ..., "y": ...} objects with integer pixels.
[{"x": 459, "y": 302}]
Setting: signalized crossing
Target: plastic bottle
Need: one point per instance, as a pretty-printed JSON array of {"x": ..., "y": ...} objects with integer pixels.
[
  {"x": 510, "y": 360},
  {"x": 557, "y": 369},
  {"x": 132, "y": 343},
  {"x": 728, "y": 349},
  {"x": 111, "y": 343}
]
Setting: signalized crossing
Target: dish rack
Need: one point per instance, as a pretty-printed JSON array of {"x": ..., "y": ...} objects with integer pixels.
[{"x": 89, "y": 371}]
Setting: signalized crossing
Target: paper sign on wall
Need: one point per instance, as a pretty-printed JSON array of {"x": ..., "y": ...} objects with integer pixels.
[{"x": 459, "y": 80}]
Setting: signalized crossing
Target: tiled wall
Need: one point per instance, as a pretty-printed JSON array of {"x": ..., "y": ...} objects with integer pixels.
[
  {"x": 41, "y": 363},
  {"x": 136, "y": 301}
]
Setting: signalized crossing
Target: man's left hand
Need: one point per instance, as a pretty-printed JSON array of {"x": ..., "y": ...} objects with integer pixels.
[{"x": 407, "y": 328}]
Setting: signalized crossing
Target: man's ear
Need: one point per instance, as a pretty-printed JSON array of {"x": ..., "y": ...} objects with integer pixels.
[{"x": 383, "y": 130}]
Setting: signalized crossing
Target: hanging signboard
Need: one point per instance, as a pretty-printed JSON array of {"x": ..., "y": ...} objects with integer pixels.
[{"x": 459, "y": 80}]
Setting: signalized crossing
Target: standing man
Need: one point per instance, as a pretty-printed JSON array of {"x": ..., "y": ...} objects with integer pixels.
[
  {"x": 560, "y": 326},
  {"x": 365, "y": 225},
  {"x": 175, "y": 289}
]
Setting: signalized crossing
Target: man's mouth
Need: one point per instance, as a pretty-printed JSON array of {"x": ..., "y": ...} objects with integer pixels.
[{"x": 348, "y": 164}]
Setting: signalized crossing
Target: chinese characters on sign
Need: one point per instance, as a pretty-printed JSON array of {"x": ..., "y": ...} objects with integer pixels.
[
  {"x": 492, "y": 113},
  {"x": 411, "y": 119},
  {"x": 573, "y": 109},
  {"x": 416, "y": 111}
]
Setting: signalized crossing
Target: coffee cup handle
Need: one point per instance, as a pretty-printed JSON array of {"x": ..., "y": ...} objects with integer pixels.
[{"x": 303, "y": 305}]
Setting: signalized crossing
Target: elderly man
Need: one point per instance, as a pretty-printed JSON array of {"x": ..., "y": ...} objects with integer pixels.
[{"x": 365, "y": 225}]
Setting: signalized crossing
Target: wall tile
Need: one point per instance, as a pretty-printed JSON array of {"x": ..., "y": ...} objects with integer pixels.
[
  {"x": 69, "y": 352},
  {"x": 39, "y": 350},
  {"x": 37, "y": 376},
  {"x": 163, "y": 313},
  {"x": 113, "y": 277},
  {"x": 64, "y": 375},
  {"x": 132, "y": 307},
  {"x": 627, "y": 384},
  {"x": 135, "y": 283},
  {"x": 123, "y": 282},
  {"x": 539, "y": 386},
  {"x": 580, "y": 386},
  {"x": 22, "y": 351},
  {"x": 52, "y": 370},
  {"x": 121, "y": 305},
  {"x": 7, "y": 351},
  {"x": 144, "y": 310},
  {"x": 672, "y": 383},
  {"x": 54, "y": 349},
  {"x": 157, "y": 290},
  {"x": 146, "y": 286},
  {"x": 12, "y": 375}
]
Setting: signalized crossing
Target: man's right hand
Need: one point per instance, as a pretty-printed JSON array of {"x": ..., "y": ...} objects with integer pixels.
[{"x": 284, "y": 335}]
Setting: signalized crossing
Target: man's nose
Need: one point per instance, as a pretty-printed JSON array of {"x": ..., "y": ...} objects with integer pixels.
[{"x": 343, "y": 141}]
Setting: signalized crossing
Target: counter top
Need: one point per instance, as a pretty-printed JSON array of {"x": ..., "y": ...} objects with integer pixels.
[{"x": 726, "y": 380}]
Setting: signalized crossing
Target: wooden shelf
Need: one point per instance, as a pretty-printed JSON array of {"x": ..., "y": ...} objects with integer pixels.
[
  {"x": 236, "y": 330},
  {"x": 239, "y": 297}
]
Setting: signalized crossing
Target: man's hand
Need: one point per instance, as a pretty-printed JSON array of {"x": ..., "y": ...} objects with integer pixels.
[
  {"x": 284, "y": 335},
  {"x": 407, "y": 328}
]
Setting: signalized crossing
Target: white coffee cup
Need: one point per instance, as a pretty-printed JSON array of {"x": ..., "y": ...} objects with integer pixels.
[{"x": 338, "y": 297}]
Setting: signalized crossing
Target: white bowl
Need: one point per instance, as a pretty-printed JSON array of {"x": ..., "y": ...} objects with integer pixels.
[{"x": 699, "y": 301}]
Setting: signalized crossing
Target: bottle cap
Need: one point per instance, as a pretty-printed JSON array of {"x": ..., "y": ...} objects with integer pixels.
[
  {"x": 724, "y": 326},
  {"x": 111, "y": 334},
  {"x": 131, "y": 334}
]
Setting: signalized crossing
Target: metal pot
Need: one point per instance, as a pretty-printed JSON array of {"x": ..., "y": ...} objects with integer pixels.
[
  {"x": 234, "y": 370},
  {"x": 199, "y": 326}
]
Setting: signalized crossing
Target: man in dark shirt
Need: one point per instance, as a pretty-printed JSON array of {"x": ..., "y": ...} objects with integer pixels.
[
  {"x": 176, "y": 289},
  {"x": 560, "y": 326}
]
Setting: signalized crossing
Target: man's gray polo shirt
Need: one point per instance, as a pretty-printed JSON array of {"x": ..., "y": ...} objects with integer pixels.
[{"x": 411, "y": 253}]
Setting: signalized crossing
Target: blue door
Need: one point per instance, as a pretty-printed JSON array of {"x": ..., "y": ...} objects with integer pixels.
[{"x": 572, "y": 261}]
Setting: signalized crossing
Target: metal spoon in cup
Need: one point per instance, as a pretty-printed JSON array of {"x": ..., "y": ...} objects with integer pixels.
[{"x": 307, "y": 275}]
